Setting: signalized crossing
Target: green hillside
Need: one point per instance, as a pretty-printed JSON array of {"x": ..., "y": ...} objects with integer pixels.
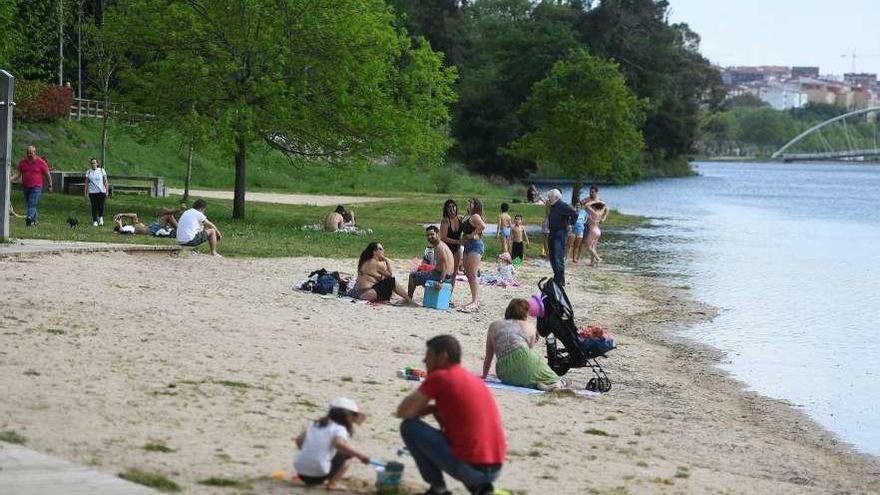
[{"x": 68, "y": 145}]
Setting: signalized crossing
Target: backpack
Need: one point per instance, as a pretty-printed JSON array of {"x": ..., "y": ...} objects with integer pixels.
[{"x": 325, "y": 283}]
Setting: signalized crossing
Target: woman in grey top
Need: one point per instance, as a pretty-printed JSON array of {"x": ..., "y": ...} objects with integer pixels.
[{"x": 511, "y": 341}]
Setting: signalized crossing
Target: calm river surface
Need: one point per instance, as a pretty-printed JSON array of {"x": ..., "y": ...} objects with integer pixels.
[{"x": 790, "y": 254}]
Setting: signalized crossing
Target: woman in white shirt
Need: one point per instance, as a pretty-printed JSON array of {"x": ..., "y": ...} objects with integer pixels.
[{"x": 96, "y": 189}]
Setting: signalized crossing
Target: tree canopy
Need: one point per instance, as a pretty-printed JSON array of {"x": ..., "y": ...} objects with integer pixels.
[
  {"x": 584, "y": 119},
  {"x": 312, "y": 79}
]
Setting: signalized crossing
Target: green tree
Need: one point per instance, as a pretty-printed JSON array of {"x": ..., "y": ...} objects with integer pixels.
[
  {"x": 744, "y": 100},
  {"x": 514, "y": 46},
  {"x": 661, "y": 62},
  {"x": 585, "y": 119},
  {"x": 763, "y": 128},
  {"x": 9, "y": 39},
  {"x": 321, "y": 80}
]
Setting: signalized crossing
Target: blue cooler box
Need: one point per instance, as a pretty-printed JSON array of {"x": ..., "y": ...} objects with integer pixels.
[{"x": 437, "y": 299}]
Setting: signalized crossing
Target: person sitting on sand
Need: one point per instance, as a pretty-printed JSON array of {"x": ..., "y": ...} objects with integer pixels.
[
  {"x": 470, "y": 444},
  {"x": 338, "y": 219},
  {"x": 324, "y": 452},
  {"x": 194, "y": 228},
  {"x": 375, "y": 282},
  {"x": 443, "y": 263},
  {"x": 511, "y": 341}
]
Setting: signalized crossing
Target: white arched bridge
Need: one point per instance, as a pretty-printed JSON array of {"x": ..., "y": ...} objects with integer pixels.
[{"x": 852, "y": 136}]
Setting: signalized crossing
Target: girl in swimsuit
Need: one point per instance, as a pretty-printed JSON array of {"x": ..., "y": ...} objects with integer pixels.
[
  {"x": 597, "y": 212},
  {"x": 450, "y": 233},
  {"x": 375, "y": 281},
  {"x": 472, "y": 233}
]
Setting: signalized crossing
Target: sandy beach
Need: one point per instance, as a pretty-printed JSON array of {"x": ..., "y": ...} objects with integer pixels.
[{"x": 220, "y": 360}]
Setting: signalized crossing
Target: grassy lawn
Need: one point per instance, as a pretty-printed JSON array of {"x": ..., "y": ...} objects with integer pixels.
[
  {"x": 269, "y": 230},
  {"x": 272, "y": 230}
]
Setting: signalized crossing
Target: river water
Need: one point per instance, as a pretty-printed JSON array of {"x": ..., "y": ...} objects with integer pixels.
[{"x": 790, "y": 254}]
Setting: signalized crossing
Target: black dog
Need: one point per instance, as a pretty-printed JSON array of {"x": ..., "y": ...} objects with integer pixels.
[{"x": 72, "y": 221}]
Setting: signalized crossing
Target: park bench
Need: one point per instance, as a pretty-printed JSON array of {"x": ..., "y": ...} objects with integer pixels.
[{"x": 75, "y": 183}]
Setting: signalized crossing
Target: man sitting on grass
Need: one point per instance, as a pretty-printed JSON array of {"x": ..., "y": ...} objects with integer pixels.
[
  {"x": 470, "y": 447},
  {"x": 443, "y": 263},
  {"x": 194, "y": 228}
]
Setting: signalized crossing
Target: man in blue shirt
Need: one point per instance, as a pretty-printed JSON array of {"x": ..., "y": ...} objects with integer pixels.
[{"x": 561, "y": 217}]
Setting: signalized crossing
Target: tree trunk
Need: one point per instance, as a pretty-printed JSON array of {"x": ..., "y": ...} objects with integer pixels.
[
  {"x": 189, "y": 172},
  {"x": 238, "y": 198},
  {"x": 576, "y": 191},
  {"x": 106, "y": 126},
  {"x": 104, "y": 129}
]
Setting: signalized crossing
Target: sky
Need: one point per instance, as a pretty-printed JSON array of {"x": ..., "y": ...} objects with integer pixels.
[{"x": 786, "y": 32}]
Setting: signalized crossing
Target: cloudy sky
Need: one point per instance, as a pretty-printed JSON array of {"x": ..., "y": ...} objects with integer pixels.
[{"x": 786, "y": 32}]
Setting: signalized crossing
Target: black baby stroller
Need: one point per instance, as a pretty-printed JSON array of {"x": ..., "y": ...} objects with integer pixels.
[{"x": 558, "y": 323}]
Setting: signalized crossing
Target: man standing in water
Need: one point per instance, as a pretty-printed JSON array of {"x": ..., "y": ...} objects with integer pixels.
[{"x": 561, "y": 217}]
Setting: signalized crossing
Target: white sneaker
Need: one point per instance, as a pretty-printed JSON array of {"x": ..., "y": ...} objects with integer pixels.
[
  {"x": 94, "y": 224},
  {"x": 100, "y": 220}
]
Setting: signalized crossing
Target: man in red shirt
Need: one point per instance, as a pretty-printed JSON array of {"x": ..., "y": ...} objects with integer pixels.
[
  {"x": 31, "y": 171},
  {"x": 470, "y": 446}
]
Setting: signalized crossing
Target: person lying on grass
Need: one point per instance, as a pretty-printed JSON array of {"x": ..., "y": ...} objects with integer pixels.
[
  {"x": 163, "y": 226},
  {"x": 324, "y": 452}
]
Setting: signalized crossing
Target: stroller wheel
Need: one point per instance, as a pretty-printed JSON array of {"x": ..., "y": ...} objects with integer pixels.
[
  {"x": 592, "y": 385},
  {"x": 604, "y": 384}
]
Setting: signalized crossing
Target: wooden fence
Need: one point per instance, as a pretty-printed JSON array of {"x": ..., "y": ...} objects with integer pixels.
[{"x": 94, "y": 109}]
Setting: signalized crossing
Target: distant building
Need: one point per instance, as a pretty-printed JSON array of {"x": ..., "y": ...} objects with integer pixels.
[
  {"x": 746, "y": 74},
  {"x": 862, "y": 80},
  {"x": 782, "y": 96},
  {"x": 805, "y": 71}
]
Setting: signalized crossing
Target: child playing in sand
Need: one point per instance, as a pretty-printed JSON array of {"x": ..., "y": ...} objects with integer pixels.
[
  {"x": 504, "y": 228},
  {"x": 517, "y": 236},
  {"x": 505, "y": 268},
  {"x": 324, "y": 451}
]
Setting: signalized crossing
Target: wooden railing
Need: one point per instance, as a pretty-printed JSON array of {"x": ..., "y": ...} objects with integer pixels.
[{"x": 94, "y": 109}]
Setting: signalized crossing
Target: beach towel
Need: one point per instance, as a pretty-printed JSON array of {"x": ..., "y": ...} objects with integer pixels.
[{"x": 492, "y": 381}]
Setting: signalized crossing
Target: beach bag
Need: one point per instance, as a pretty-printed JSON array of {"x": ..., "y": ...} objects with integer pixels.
[{"x": 325, "y": 283}]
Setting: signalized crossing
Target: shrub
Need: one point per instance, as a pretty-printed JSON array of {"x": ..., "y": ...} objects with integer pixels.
[{"x": 40, "y": 102}]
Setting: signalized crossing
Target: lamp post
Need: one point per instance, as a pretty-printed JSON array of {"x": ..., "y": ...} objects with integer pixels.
[
  {"x": 6, "y": 87},
  {"x": 61, "y": 42}
]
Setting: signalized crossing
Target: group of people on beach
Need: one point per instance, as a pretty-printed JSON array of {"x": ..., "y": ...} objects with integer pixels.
[
  {"x": 457, "y": 243},
  {"x": 192, "y": 228},
  {"x": 470, "y": 444}
]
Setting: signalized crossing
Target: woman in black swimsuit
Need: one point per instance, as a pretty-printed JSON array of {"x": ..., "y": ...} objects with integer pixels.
[
  {"x": 450, "y": 233},
  {"x": 375, "y": 282}
]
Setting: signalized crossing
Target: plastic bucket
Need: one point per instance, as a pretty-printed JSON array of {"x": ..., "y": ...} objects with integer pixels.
[{"x": 388, "y": 480}]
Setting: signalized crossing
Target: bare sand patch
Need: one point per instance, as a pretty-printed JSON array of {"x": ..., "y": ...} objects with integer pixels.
[
  {"x": 222, "y": 362},
  {"x": 284, "y": 198}
]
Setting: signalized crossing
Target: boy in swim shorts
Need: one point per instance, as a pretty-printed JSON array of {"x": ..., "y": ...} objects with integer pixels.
[
  {"x": 504, "y": 228},
  {"x": 517, "y": 236}
]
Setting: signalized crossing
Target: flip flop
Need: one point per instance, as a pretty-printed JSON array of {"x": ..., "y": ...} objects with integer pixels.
[{"x": 468, "y": 309}]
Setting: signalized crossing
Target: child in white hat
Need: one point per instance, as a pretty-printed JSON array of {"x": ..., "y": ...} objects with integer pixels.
[{"x": 324, "y": 452}]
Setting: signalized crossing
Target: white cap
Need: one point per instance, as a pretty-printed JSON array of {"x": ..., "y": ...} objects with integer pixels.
[{"x": 344, "y": 403}]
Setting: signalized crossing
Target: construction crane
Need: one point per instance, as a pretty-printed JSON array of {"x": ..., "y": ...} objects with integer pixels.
[{"x": 853, "y": 56}]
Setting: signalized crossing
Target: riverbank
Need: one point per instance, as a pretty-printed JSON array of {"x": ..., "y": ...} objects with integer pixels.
[{"x": 195, "y": 368}]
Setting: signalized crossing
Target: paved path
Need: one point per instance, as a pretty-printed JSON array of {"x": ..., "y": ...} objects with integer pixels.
[
  {"x": 38, "y": 247},
  {"x": 283, "y": 198},
  {"x": 25, "y": 472}
]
